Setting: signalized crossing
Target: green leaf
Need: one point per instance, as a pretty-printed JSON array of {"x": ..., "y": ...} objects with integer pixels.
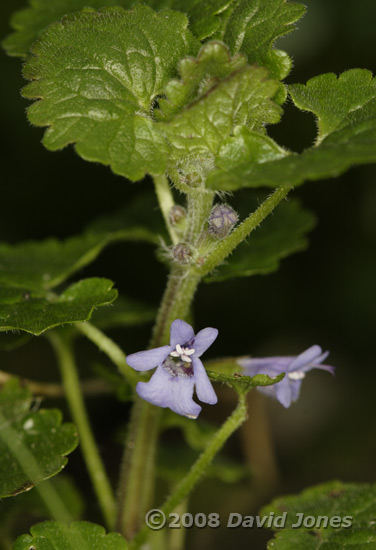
[
  {"x": 43, "y": 265},
  {"x": 215, "y": 95},
  {"x": 196, "y": 434},
  {"x": 123, "y": 313},
  {"x": 79, "y": 535},
  {"x": 29, "y": 507},
  {"x": 355, "y": 502},
  {"x": 37, "y": 312},
  {"x": 29, "y": 22},
  {"x": 97, "y": 75},
  {"x": 279, "y": 236},
  {"x": 33, "y": 445},
  {"x": 227, "y": 371},
  {"x": 254, "y": 26},
  {"x": 337, "y": 102},
  {"x": 347, "y": 136}
]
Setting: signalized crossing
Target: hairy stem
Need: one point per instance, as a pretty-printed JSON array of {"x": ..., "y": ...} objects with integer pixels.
[
  {"x": 166, "y": 202},
  {"x": 227, "y": 245},
  {"x": 199, "y": 468},
  {"x": 88, "y": 446},
  {"x": 137, "y": 471}
]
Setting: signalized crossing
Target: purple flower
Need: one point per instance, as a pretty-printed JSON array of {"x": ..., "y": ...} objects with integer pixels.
[
  {"x": 179, "y": 370},
  {"x": 288, "y": 389}
]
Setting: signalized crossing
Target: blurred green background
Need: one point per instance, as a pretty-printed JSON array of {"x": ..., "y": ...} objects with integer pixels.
[{"x": 325, "y": 295}]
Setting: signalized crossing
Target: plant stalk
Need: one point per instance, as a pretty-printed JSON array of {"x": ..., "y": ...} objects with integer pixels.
[{"x": 88, "y": 446}]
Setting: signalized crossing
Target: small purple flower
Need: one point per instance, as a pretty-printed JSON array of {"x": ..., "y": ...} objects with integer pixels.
[
  {"x": 179, "y": 370},
  {"x": 288, "y": 389}
]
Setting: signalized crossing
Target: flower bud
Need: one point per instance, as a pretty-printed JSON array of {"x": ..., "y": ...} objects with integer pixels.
[
  {"x": 221, "y": 220},
  {"x": 182, "y": 253},
  {"x": 176, "y": 214}
]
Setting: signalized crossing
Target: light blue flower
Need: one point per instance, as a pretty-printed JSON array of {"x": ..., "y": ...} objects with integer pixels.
[
  {"x": 179, "y": 370},
  {"x": 295, "y": 369}
]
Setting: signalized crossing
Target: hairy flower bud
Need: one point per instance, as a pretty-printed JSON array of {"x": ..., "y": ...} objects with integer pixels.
[
  {"x": 182, "y": 253},
  {"x": 221, "y": 220},
  {"x": 176, "y": 214}
]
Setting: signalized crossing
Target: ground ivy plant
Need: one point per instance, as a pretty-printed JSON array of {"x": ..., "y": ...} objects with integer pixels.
[{"x": 182, "y": 92}]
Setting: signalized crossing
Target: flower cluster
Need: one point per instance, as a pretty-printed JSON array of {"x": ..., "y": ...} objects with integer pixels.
[
  {"x": 179, "y": 370},
  {"x": 295, "y": 369}
]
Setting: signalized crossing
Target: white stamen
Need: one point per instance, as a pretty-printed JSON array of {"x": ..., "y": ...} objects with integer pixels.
[
  {"x": 183, "y": 353},
  {"x": 296, "y": 375}
]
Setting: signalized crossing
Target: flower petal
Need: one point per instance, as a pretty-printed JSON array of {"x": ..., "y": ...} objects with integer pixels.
[
  {"x": 283, "y": 392},
  {"x": 149, "y": 359},
  {"x": 204, "y": 388},
  {"x": 180, "y": 333},
  {"x": 308, "y": 357},
  {"x": 295, "y": 386},
  {"x": 204, "y": 340},
  {"x": 174, "y": 392}
]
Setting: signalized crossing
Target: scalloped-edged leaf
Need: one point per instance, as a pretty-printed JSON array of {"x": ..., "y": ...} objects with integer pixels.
[
  {"x": 350, "y": 510},
  {"x": 216, "y": 94},
  {"x": 254, "y": 26},
  {"x": 279, "y": 236},
  {"x": 79, "y": 535},
  {"x": 36, "y": 312},
  {"x": 33, "y": 444},
  {"x": 347, "y": 135},
  {"x": 96, "y": 76},
  {"x": 30, "y": 22},
  {"x": 337, "y": 102}
]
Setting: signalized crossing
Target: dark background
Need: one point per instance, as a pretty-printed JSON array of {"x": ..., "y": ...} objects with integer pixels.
[{"x": 325, "y": 295}]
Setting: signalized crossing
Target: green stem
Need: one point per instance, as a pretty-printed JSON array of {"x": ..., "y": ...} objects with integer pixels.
[
  {"x": 137, "y": 471},
  {"x": 136, "y": 484},
  {"x": 110, "y": 348},
  {"x": 199, "y": 468},
  {"x": 176, "y": 301},
  {"x": 166, "y": 202},
  {"x": 227, "y": 245},
  {"x": 88, "y": 446}
]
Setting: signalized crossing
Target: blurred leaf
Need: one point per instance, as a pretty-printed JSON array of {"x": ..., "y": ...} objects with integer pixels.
[
  {"x": 80, "y": 535},
  {"x": 335, "y": 499},
  {"x": 174, "y": 462},
  {"x": 33, "y": 445},
  {"x": 42, "y": 265},
  {"x": 36, "y": 313},
  {"x": 279, "y": 236},
  {"x": 347, "y": 135},
  {"x": 254, "y": 26},
  {"x": 96, "y": 76},
  {"x": 10, "y": 341},
  {"x": 122, "y": 313},
  {"x": 196, "y": 434},
  {"x": 218, "y": 94},
  {"x": 17, "y": 514}
]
